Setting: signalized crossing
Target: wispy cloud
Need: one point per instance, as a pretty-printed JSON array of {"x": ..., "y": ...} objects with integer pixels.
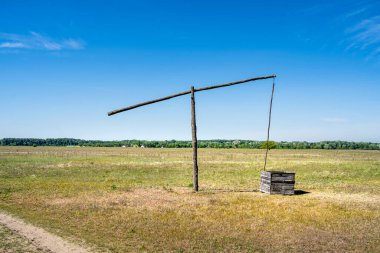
[
  {"x": 356, "y": 12},
  {"x": 12, "y": 45},
  {"x": 316, "y": 8},
  {"x": 357, "y": 22},
  {"x": 367, "y": 32},
  {"x": 334, "y": 120},
  {"x": 38, "y": 41},
  {"x": 365, "y": 35}
]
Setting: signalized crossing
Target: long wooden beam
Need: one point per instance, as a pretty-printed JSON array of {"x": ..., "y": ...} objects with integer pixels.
[{"x": 188, "y": 92}]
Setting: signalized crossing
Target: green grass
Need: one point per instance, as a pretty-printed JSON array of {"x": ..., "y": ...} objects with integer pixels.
[{"x": 137, "y": 200}]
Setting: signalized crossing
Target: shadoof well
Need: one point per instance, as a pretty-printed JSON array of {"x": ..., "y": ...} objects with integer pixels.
[{"x": 272, "y": 182}]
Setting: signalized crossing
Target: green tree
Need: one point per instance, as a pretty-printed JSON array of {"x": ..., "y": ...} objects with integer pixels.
[{"x": 270, "y": 144}]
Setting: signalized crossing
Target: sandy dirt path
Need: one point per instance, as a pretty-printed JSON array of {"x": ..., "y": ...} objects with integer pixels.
[{"x": 39, "y": 237}]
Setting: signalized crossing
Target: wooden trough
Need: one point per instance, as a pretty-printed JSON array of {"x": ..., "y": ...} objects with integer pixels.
[{"x": 277, "y": 182}]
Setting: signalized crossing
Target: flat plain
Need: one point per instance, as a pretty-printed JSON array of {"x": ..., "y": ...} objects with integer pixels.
[{"x": 141, "y": 200}]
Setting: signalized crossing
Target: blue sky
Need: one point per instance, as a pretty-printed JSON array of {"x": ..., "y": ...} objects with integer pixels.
[{"x": 64, "y": 65}]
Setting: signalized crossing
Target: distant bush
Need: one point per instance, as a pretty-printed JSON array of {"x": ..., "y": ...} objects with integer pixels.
[
  {"x": 270, "y": 144},
  {"x": 187, "y": 144}
]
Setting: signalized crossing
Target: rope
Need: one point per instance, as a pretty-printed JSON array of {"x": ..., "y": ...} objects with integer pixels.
[{"x": 270, "y": 116}]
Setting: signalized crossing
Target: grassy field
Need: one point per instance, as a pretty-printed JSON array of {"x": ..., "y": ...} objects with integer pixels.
[{"x": 141, "y": 200}]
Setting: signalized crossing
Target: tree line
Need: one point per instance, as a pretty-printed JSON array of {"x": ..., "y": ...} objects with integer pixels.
[{"x": 187, "y": 144}]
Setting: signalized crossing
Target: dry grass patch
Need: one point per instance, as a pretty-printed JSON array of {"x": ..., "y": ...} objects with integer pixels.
[
  {"x": 145, "y": 198},
  {"x": 10, "y": 242}
]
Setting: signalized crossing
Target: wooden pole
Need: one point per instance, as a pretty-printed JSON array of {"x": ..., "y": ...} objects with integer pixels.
[
  {"x": 188, "y": 92},
  {"x": 148, "y": 103},
  {"x": 193, "y": 120},
  {"x": 194, "y": 139}
]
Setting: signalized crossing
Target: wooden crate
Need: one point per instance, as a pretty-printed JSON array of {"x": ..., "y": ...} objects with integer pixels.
[{"x": 277, "y": 182}]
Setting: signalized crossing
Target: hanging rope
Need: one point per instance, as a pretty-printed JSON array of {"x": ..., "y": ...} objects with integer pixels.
[{"x": 270, "y": 116}]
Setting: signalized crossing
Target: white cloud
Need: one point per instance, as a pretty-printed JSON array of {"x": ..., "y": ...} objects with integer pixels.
[
  {"x": 356, "y": 12},
  {"x": 74, "y": 44},
  {"x": 37, "y": 41},
  {"x": 365, "y": 35},
  {"x": 12, "y": 45},
  {"x": 334, "y": 120}
]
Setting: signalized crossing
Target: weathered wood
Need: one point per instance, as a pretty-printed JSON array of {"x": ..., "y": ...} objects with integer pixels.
[
  {"x": 277, "y": 182},
  {"x": 148, "y": 103},
  {"x": 188, "y": 92},
  {"x": 278, "y": 176},
  {"x": 193, "y": 121},
  {"x": 194, "y": 139},
  {"x": 234, "y": 83}
]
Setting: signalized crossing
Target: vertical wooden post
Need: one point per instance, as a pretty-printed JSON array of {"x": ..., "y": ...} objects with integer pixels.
[{"x": 194, "y": 140}]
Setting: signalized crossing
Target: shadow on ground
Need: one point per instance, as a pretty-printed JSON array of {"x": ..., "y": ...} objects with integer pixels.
[
  {"x": 300, "y": 192},
  {"x": 296, "y": 192},
  {"x": 229, "y": 190}
]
